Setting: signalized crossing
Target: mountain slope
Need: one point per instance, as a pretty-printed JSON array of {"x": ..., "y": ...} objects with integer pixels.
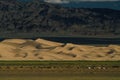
[{"x": 37, "y": 18}]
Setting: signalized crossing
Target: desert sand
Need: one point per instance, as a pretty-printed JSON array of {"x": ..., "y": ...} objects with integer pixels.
[{"x": 40, "y": 49}]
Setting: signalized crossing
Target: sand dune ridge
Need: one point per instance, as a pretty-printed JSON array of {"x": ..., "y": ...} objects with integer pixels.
[{"x": 40, "y": 49}]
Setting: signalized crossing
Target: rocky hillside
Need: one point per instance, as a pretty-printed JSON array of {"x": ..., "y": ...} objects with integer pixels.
[{"x": 39, "y": 18}]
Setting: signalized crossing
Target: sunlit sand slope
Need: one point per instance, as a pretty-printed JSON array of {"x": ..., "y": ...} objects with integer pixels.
[{"x": 40, "y": 49}]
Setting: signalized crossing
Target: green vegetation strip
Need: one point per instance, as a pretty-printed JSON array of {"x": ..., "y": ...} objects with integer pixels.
[{"x": 81, "y": 63}]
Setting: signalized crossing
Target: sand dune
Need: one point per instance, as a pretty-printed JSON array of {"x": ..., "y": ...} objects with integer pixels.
[{"x": 40, "y": 49}]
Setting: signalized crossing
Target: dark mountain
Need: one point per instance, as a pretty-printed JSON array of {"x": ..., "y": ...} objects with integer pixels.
[{"x": 36, "y": 18}]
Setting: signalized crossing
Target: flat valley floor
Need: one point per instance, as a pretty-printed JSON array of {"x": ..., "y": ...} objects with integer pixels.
[{"x": 59, "y": 76}]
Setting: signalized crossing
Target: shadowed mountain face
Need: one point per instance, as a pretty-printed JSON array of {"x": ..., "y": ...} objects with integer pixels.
[{"x": 39, "y": 18}]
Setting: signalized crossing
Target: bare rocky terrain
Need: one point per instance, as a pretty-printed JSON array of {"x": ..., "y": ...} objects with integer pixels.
[
  {"x": 40, "y": 49},
  {"x": 35, "y": 19}
]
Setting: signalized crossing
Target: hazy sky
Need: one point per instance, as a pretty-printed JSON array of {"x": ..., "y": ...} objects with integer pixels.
[
  {"x": 90, "y": 3},
  {"x": 95, "y": 0},
  {"x": 67, "y": 1},
  {"x": 78, "y": 0}
]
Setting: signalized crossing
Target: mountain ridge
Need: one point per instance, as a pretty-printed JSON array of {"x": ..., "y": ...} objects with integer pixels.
[{"x": 47, "y": 19}]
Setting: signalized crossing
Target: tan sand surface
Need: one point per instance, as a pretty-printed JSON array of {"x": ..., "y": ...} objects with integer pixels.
[{"x": 40, "y": 49}]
